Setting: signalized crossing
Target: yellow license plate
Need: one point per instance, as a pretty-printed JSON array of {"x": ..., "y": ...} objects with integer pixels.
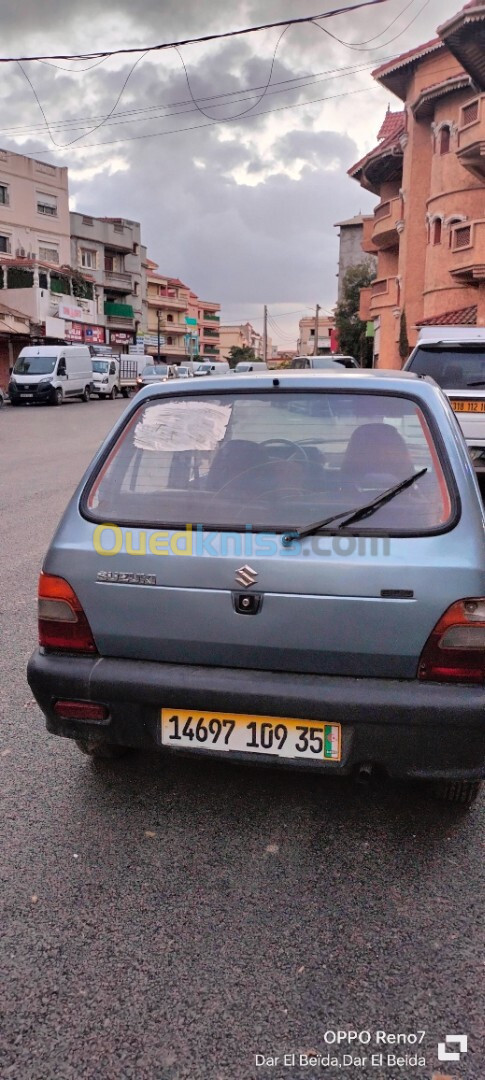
[
  {"x": 467, "y": 406},
  {"x": 282, "y": 736}
]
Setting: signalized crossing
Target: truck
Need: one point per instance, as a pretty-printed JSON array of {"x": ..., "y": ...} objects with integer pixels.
[{"x": 114, "y": 374}]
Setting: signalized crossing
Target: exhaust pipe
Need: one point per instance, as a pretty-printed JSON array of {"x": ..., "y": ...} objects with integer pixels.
[{"x": 365, "y": 773}]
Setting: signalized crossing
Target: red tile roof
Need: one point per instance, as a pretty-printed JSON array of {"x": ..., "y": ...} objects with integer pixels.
[
  {"x": 393, "y": 124},
  {"x": 461, "y": 317},
  {"x": 386, "y": 144},
  {"x": 408, "y": 57}
]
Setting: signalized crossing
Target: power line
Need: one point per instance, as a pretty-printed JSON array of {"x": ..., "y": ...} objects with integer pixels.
[
  {"x": 212, "y": 123},
  {"x": 196, "y": 40},
  {"x": 321, "y": 76},
  {"x": 362, "y": 45}
]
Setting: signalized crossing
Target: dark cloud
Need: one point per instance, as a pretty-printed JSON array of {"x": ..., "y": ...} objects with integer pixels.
[{"x": 203, "y": 216}]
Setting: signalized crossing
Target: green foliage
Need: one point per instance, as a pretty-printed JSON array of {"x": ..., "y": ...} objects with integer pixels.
[
  {"x": 18, "y": 277},
  {"x": 404, "y": 348},
  {"x": 350, "y": 328},
  {"x": 82, "y": 289},
  {"x": 238, "y": 353}
]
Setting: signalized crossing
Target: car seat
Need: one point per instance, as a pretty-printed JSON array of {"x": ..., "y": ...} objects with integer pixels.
[{"x": 376, "y": 454}]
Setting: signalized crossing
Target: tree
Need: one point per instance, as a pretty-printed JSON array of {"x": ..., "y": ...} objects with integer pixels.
[
  {"x": 351, "y": 330},
  {"x": 404, "y": 349},
  {"x": 240, "y": 352}
]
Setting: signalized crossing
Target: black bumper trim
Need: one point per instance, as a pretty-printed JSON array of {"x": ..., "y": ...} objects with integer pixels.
[{"x": 407, "y": 727}]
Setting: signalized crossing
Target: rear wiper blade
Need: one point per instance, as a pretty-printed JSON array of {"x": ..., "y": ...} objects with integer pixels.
[
  {"x": 478, "y": 382},
  {"x": 354, "y": 515}
]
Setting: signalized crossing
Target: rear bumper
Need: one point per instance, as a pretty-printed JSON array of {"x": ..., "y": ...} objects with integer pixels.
[{"x": 408, "y": 728}]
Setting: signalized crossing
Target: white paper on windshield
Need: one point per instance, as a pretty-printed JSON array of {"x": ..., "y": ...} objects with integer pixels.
[{"x": 182, "y": 425}]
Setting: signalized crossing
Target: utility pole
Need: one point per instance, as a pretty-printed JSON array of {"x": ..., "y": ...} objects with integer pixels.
[
  {"x": 265, "y": 335},
  {"x": 315, "y": 349}
]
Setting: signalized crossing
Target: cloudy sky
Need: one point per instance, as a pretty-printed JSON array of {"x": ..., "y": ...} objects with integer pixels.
[{"x": 242, "y": 209}]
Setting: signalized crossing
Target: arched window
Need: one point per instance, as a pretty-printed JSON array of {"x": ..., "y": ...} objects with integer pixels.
[
  {"x": 436, "y": 231},
  {"x": 169, "y": 318},
  {"x": 444, "y": 140},
  {"x": 169, "y": 341}
]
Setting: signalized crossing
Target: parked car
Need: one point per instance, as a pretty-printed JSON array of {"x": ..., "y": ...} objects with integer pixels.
[
  {"x": 455, "y": 358},
  {"x": 322, "y": 363},
  {"x": 324, "y": 608},
  {"x": 51, "y": 374},
  {"x": 209, "y": 367},
  {"x": 106, "y": 375},
  {"x": 179, "y": 371},
  {"x": 152, "y": 373},
  {"x": 244, "y": 366}
]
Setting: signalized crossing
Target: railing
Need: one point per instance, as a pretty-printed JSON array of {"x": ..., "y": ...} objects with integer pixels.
[
  {"x": 382, "y": 211},
  {"x": 119, "y": 311}
]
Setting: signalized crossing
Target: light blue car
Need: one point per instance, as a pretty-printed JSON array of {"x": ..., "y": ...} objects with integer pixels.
[{"x": 284, "y": 569}]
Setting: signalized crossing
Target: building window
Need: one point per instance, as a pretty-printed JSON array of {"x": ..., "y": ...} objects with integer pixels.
[
  {"x": 444, "y": 140},
  {"x": 4, "y": 195},
  {"x": 469, "y": 113},
  {"x": 462, "y": 237},
  {"x": 88, "y": 258},
  {"x": 5, "y": 244},
  {"x": 437, "y": 231},
  {"x": 109, "y": 263},
  {"x": 47, "y": 205},
  {"x": 135, "y": 249},
  {"x": 169, "y": 318},
  {"x": 169, "y": 341},
  {"x": 87, "y": 220},
  {"x": 49, "y": 254}
]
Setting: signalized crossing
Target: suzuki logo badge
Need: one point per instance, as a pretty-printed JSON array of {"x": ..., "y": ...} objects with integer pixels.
[{"x": 246, "y": 576}]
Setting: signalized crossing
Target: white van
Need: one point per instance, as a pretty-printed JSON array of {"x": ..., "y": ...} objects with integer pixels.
[
  {"x": 210, "y": 367},
  {"x": 106, "y": 376},
  {"x": 51, "y": 374},
  {"x": 244, "y": 366}
]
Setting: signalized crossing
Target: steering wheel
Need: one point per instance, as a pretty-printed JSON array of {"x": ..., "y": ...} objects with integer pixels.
[{"x": 295, "y": 448}]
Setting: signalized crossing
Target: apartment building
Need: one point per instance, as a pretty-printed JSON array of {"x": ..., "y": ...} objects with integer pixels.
[
  {"x": 326, "y": 336},
  {"x": 428, "y": 172},
  {"x": 36, "y": 281},
  {"x": 109, "y": 251},
  {"x": 351, "y": 234},
  {"x": 179, "y": 320},
  {"x": 239, "y": 336},
  {"x": 34, "y": 210}
]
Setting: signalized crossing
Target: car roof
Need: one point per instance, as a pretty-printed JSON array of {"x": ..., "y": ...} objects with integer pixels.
[{"x": 341, "y": 379}]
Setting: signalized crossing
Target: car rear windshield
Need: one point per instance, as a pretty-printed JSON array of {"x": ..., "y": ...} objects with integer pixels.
[
  {"x": 35, "y": 365},
  {"x": 451, "y": 367},
  {"x": 271, "y": 460}
]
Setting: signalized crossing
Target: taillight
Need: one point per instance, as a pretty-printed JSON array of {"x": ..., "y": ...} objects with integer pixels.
[
  {"x": 455, "y": 651},
  {"x": 62, "y": 622}
]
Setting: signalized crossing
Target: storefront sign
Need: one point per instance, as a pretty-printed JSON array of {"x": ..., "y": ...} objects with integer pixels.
[
  {"x": 118, "y": 338},
  {"x": 94, "y": 335},
  {"x": 71, "y": 311},
  {"x": 73, "y": 332}
]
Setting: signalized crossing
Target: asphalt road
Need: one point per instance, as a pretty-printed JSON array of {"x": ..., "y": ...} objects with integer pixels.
[{"x": 170, "y": 920}]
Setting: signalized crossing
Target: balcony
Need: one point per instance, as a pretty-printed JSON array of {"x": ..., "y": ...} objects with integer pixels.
[
  {"x": 383, "y": 293},
  {"x": 367, "y": 243},
  {"x": 387, "y": 224},
  {"x": 468, "y": 252},
  {"x": 471, "y": 138},
  {"x": 117, "y": 279},
  {"x": 210, "y": 350},
  {"x": 115, "y": 312},
  {"x": 173, "y": 303},
  {"x": 209, "y": 317}
]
